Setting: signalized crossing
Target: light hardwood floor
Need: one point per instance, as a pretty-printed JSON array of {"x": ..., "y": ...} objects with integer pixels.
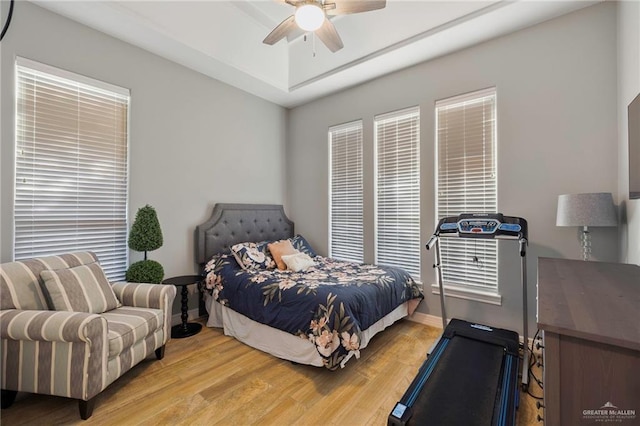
[{"x": 212, "y": 379}]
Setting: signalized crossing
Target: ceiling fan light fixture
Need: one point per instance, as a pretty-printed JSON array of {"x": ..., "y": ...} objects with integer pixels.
[{"x": 309, "y": 16}]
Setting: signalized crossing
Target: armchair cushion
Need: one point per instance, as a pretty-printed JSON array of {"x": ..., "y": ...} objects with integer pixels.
[
  {"x": 128, "y": 325},
  {"x": 154, "y": 296},
  {"x": 83, "y": 288}
]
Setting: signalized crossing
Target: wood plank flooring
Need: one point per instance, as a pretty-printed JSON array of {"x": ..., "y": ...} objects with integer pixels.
[{"x": 212, "y": 379}]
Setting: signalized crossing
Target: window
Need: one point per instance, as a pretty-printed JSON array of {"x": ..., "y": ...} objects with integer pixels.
[
  {"x": 397, "y": 141},
  {"x": 346, "y": 192},
  {"x": 71, "y": 166},
  {"x": 467, "y": 183}
]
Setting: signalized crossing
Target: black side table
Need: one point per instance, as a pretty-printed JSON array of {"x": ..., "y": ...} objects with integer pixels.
[{"x": 185, "y": 329}]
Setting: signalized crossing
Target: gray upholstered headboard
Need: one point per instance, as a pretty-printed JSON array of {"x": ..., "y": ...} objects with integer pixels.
[{"x": 231, "y": 224}]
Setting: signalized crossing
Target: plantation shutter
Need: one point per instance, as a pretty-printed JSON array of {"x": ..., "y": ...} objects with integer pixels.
[
  {"x": 397, "y": 137},
  {"x": 467, "y": 183},
  {"x": 71, "y": 166},
  {"x": 346, "y": 197}
]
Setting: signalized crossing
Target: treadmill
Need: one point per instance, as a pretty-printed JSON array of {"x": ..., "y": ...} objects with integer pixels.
[{"x": 471, "y": 375}]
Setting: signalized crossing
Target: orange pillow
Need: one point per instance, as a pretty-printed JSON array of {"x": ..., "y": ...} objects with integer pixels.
[{"x": 279, "y": 249}]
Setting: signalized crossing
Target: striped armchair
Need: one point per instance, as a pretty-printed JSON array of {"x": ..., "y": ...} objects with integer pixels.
[{"x": 88, "y": 341}]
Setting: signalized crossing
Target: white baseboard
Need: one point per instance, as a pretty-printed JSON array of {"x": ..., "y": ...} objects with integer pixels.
[
  {"x": 435, "y": 321},
  {"x": 426, "y": 319},
  {"x": 192, "y": 314}
]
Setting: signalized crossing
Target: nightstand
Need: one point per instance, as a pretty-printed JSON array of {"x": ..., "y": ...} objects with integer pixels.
[{"x": 185, "y": 329}]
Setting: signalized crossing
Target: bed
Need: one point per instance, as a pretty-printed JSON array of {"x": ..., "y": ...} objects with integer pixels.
[{"x": 322, "y": 315}]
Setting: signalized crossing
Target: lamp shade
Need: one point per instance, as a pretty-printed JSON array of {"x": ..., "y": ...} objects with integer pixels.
[{"x": 593, "y": 209}]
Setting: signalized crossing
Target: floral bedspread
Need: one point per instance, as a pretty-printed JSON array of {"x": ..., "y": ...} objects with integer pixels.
[{"x": 329, "y": 304}]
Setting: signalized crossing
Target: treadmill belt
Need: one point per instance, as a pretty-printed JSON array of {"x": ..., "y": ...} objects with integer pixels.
[{"x": 468, "y": 375}]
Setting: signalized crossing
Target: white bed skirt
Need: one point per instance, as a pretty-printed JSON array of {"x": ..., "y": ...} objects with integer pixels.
[{"x": 280, "y": 343}]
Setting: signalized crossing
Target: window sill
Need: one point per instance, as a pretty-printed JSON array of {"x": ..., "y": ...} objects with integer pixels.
[{"x": 462, "y": 292}]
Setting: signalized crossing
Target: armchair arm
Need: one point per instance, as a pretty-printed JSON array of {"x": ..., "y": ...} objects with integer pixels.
[
  {"x": 51, "y": 326},
  {"x": 141, "y": 295},
  {"x": 54, "y": 352}
]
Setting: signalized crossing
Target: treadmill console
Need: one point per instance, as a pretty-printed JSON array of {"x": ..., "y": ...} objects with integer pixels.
[
  {"x": 478, "y": 226},
  {"x": 483, "y": 225}
]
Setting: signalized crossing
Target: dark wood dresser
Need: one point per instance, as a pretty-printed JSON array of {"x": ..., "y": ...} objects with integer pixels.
[{"x": 589, "y": 313}]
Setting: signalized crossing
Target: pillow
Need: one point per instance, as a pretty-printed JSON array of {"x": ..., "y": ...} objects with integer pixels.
[
  {"x": 279, "y": 249},
  {"x": 80, "y": 289},
  {"x": 298, "y": 262},
  {"x": 300, "y": 244},
  {"x": 252, "y": 256}
]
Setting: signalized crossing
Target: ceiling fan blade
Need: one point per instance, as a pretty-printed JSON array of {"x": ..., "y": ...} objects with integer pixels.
[
  {"x": 281, "y": 30},
  {"x": 344, "y": 7},
  {"x": 329, "y": 36},
  {"x": 295, "y": 33}
]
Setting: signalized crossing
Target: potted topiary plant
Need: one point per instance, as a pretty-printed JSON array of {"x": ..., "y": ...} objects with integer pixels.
[{"x": 145, "y": 236}]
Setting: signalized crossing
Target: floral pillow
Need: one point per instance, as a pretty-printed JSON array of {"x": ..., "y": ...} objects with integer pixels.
[
  {"x": 300, "y": 244},
  {"x": 252, "y": 256}
]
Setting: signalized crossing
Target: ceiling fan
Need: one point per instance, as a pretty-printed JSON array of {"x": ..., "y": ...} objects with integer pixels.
[{"x": 312, "y": 16}]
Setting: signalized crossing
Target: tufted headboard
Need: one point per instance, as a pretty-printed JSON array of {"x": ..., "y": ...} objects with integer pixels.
[{"x": 231, "y": 224}]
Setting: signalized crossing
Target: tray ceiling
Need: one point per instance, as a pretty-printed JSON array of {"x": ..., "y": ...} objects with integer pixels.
[{"x": 223, "y": 39}]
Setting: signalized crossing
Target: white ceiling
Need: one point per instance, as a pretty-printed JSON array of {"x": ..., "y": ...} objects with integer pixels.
[{"x": 223, "y": 39}]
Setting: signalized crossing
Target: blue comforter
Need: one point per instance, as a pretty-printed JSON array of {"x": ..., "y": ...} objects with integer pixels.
[{"x": 329, "y": 303}]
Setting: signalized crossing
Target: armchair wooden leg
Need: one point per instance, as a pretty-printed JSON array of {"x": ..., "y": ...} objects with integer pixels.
[
  {"x": 8, "y": 396},
  {"x": 160, "y": 352},
  {"x": 86, "y": 408}
]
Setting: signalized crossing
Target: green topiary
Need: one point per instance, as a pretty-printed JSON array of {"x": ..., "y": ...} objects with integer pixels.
[
  {"x": 145, "y": 271},
  {"x": 145, "y": 234}
]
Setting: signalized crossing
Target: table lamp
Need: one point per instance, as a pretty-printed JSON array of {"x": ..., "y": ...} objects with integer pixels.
[{"x": 593, "y": 209}]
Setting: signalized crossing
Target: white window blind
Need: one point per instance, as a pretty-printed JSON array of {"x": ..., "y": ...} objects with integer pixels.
[
  {"x": 71, "y": 166},
  {"x": 346, "y": 198},
  {"x": 467, "y": 183},
  {"x": 397, "y": 140}
]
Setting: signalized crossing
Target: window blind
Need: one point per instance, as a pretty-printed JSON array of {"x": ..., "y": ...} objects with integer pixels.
[
  {"x": 467, "y": 183},
  {"x": 346, "y": 198},
  {"x": 397, "y": 140},
  {"x": 71, "y": 166}
]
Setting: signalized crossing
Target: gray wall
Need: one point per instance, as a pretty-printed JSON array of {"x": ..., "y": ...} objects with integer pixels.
[
  {"x": 628, "y": 89},
  {"x": 557, "y": 133},
  {"x": 193, "y": 140},
  {"x": 562, "y": 124}
]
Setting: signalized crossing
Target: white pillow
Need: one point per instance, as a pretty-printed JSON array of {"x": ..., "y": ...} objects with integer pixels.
[{"x": 298, "y": 262}]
